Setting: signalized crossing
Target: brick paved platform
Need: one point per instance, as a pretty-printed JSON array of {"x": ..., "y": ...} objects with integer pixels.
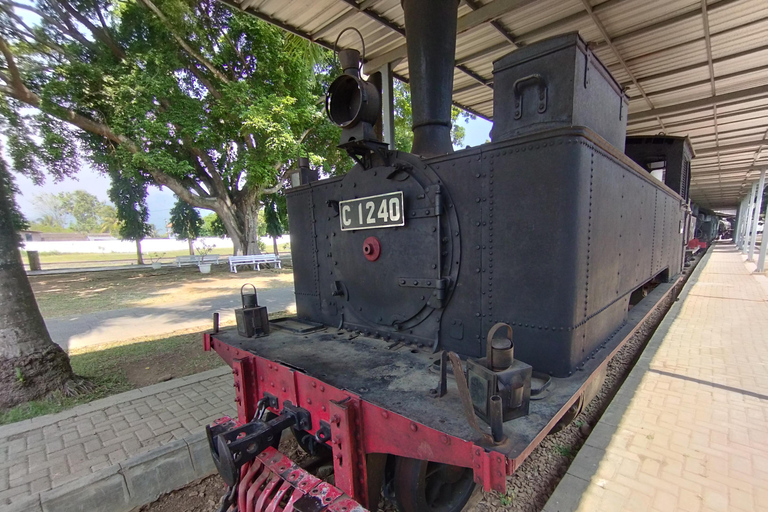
[
  {"x": 45, "y": 462},
  {"x": 688, "y": 430}
]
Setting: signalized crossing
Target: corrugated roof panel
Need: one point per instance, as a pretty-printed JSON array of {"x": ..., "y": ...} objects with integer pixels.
[
  {"x": 659, "y": 39},
  {"x": 741, "y": 82},
  {"x": 676, "y": 42},
  {"x": 682, "y": 95},
  {"x": 539, "y": 14},
  {"x": 478, "y": 39},
  {"x": 623, "y": 16},
  {"x": 678, "y": 80},
  {"x": 581, "y": 24},
  {"x": 668, "y": 60},
  {"x": 475, "y": 95},
  {"x": 737, "y": 14},
  {"x": 745, "y": 41}
]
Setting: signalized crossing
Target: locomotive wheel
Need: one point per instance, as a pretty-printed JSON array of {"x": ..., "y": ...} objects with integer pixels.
[{"x": 422, "y": 486}]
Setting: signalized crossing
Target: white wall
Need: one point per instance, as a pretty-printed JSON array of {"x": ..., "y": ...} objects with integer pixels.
[{"x": 148, "y": 246}]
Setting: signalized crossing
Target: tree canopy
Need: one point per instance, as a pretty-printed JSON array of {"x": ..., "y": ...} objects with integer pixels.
[
  {"x": 188, "y": 94},
  {"x": 207, "y": 101},
  {"x": 129, "y": 195},
  {"x": 186, "y": 223},
  {"x": 77, "y": 211}
]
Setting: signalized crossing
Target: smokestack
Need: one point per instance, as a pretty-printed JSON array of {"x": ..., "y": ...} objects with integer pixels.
[{"x": 430, "y": 30}]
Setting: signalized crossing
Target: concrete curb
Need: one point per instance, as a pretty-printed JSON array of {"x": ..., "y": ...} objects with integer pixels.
[
  {"x": 568, "y": 493},
  {"x": 103, "y": 403},
  {"x": 128, "y": 484}
]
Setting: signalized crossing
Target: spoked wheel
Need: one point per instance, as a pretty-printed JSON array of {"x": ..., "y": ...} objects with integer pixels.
[{"x": 422, "y": 486}]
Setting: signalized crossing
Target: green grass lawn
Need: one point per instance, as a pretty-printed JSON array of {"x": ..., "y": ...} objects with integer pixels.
[{"x": 124, "y": 367}]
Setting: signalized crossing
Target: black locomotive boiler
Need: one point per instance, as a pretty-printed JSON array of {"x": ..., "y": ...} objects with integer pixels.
[{"x": 452, "y": 307}]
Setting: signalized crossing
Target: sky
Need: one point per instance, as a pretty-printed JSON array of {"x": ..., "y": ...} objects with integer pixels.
[{"x": 160, "y": 202}]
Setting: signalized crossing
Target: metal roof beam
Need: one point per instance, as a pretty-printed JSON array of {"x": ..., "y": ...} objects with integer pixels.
[
  {"x": 615, "y": 50},
  {"x": 698, "y": 104},
  {"x": 489, "y": 12},
  {"x": 691, "y": 15},
  {"x": 486, "y": 13},
  {"x": 751, "y": 145},
  {"x": 698, "y": 65},
  {"x": 501, "y": 29},
  {"x": 697, "y": 40}
]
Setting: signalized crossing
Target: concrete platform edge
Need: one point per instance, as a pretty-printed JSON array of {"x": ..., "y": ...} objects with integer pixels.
[
  {"x": 129, "y": 484},
  {"x": 567, "y": 494}
]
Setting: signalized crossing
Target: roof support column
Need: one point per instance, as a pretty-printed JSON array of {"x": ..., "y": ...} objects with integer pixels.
[
  {"x": 756, "y": 216},
  {"x": 388, "y": 104},
  {"x": 748, "y": 219},
  {"x": 740, "y": 224},
  {"x": 761, "y": 259}
]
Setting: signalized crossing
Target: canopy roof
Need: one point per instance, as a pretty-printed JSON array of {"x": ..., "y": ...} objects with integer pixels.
[{"x": 690, "y": 67}]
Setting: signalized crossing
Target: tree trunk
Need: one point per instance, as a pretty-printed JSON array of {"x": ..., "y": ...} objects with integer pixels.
[
  {"x": 31, "y": 365},
  {"x": 251, "y": 213},
  {"x": 234, "y": 228},
  {"x": 139, "y": 258},
  {"x": 274, "y": 243},
  {"x": 191, "y": 246}
]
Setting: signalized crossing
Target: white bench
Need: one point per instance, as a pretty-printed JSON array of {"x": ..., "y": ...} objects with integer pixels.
[
  {"x": 197, "y": 259},
  {"x": 253, "y": 259}
]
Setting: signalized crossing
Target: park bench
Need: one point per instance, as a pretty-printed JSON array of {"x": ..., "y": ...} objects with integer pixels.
[
  {"x": 252, "y": 259},
  {"x": 197, "y": 259}
]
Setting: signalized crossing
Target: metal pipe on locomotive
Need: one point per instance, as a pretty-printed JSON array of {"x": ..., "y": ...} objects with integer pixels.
[{"x": 452, "y": 308}]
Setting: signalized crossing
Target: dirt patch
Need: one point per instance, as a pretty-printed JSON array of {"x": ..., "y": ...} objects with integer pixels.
[
  {"x": 200, "y": 496},
  {"x": 188, "y": 359},
  {"x": 205, "y": 495},
  {"x": 87, "y": 292}
]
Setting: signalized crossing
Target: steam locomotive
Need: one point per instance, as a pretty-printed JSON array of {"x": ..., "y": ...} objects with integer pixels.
[{"x": 452, "y": 307}]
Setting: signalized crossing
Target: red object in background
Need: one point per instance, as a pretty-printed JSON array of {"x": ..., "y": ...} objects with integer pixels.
[
  {"x": 695, "y": 243},
  {"x": 372, "y": 248}
]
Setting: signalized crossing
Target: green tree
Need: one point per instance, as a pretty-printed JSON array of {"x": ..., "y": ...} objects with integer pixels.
[
  {"x": 54, "y": 212},
  {"x": 129, "y": 195},
  {"x": 212, "y": 226},
  {"x": 76, "y": 211},
  {"x": 85, "y": 208},
  {"x": 109, "y": 222},
  {"x": 404, "y": 119},
  {"x": 205, "y": 100},
  {"x": 186, "y": 223},
  {"x": 275, "y": 219},
  {"x": 9, "y": 186}
]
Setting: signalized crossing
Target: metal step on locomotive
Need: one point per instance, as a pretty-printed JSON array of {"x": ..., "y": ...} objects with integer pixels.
[{"x": 452, "y": 307}]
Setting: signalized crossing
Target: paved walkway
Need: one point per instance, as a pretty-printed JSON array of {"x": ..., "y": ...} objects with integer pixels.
[
  {"x": 119, "y": 324},
  {"x": 48, "y": 452},
  {"x": 688, "y": 430}
]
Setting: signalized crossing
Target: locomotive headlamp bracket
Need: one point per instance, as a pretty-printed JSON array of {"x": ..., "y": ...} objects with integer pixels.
[{"x": 352, "y": 103}]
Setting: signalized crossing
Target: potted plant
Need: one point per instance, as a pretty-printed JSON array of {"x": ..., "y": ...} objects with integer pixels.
[
  {"x": 154, "y": 259},
  {"x": 204, "y": 250}
]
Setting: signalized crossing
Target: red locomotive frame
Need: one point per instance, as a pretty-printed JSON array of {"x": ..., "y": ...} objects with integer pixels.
[{"x": 358, "y": 428}]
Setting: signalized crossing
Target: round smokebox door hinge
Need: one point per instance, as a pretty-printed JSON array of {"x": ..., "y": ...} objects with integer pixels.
[{"x": 372, "y": 248}]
